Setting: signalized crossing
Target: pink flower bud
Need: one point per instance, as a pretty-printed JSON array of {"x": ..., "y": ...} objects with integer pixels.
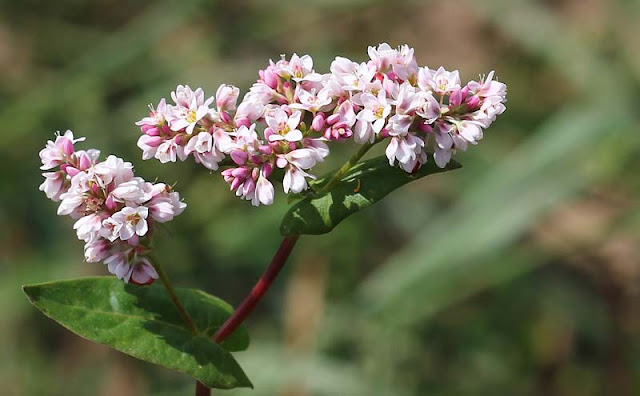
[
  {"x": 266, "y": 150},
  {"x": 318, "y": 122},
  {"x": 266, "y": 170},
  {"x": 110, "y": 203},
  {"x": 243, "y": 122},
  {"x": 268, "y": 132},
  {"x": 71, "y": 171},
  {"x": 239, "y": 157},
  {"x": 95, "y": 188},
  {"x": 85, "y": 162},
  {"x": 424, "y": 127},
  {"x": 226, "y": 118},
  {"x": 134, "y": 240},
  {"x": 241, "y": 173},
  {"x": 67, "y": 146},
  {"x": 235, "y": 184},
  {"x": 473, "y": 102},
  {"x": 249, "y": 186},
  {"x": 333, "y": 118},
  {"x": 456, "y": 98},
  {"x": 270, "y": 78},
  {"x": 281, "y": 162},
  {"x": 150, "y": 130}
]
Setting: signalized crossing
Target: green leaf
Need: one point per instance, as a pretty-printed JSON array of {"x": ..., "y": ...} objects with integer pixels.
[
  {"x": 143, "y": 322},
  {"x": 365, "y": 184}
]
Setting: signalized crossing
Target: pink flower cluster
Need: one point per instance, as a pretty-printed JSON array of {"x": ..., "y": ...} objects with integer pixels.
[
  {"x": 114, "y": 210},
  {"x": 291, "y": 112}
]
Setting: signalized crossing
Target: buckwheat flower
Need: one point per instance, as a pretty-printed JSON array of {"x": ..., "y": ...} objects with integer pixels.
[
  {"x": 190, "y": 108},
  {"x": 54, "y": 153},
  {"x": 168, "y": 151},
  {"x": 204, "y": 150},
  {"x": 295, "y": 180},
  {"x": 140, "y": 271},
  {"x": 149, "y": 145},
  {"x": 448, "y": 141},
  {"x": 262, "y": 93},
  {"x": 311, "y": 100},
  {"x": 96, "y": 250},
  {"x": 404, "y": 64},
  {"x": 135, "y": 191},
  {"x": 129, "y": 222},
  {"x": 156, "y": 116},
  {"x": 249, "y": 110},
  {"x": 184, "y": 95},
  {"x": 113, "y": 169},
  {"x": 406, "y": 99},
  {"x": 340, "y": 123},
  {"x": 359, "y": 79},
  {"x": 441, "y": 81},
  {"x": 227, "y": 97},
  {"x": 428, "y": 107},
  {"x": 375, "y": 113},
  {"x": 70, "y": 201},
  {"x": 53, "y": 185},
  {"x": 296, "y": 68},
  {"x": 471, "y": 131},
  {"x": 407, "y": 150},
  {"x": 283, "y": 126},
  {"x": 164, "y": 205},
  {"x": 88, "y": 227},
  {"x": 382, "y": 56},
  {"x": 488, "y": 87},
  {"x": 264, "y": 191}
]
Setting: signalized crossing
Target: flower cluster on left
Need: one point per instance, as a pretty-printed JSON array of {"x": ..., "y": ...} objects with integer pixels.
[{"x": 114, "y": 210}]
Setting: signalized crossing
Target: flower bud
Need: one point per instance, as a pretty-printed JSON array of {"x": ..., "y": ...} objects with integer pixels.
[{"x": 318, "y": 122}]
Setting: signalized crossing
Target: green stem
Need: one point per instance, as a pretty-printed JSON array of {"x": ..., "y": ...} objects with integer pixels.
[
  {"x": 174, "y": 297},
  {"x": 348, "y": 165}
]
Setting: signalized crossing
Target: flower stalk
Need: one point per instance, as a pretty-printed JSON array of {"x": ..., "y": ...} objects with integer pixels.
[{"x": 174, "y": 296}]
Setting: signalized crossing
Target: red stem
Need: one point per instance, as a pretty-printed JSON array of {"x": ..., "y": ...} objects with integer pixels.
[{"x": 256, "y": 294}]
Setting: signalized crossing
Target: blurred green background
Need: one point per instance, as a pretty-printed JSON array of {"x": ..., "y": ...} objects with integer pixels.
[{"x": 516, "y": 275}]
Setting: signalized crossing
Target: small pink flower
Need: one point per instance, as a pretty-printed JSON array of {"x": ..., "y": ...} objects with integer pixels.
[
  {"x": 54, "y": 153},
  {"x": 375, "y": 112},
  {"x": 441, "y": 81},
  {"x": 88, "y": 227},
  {"x": 53, "y": 185},
  {"x": 156, "y": 116},
  {"x": 189, "y": 110},
  {"x": 284, "y": 127},
  {"x": 128, "y": 222},
  {"x": 226, "y": 97}
]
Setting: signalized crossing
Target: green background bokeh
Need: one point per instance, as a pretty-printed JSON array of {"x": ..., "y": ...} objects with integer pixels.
[{"x": 516, "y": 275}]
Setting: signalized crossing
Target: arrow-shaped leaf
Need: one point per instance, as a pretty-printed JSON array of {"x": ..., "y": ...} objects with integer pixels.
[{"x": 144, "y": 323}]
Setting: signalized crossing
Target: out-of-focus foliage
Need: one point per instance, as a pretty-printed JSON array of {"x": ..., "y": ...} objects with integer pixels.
[{"x": 517, "y": 274}]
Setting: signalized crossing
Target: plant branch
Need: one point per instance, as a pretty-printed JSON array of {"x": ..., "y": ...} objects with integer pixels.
[
  {"x": 174, "y": 297},
  {"x": 347, "y": 165},
  {"x": 256, "y": 294},
  {"x": 272, "y": 271}
]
